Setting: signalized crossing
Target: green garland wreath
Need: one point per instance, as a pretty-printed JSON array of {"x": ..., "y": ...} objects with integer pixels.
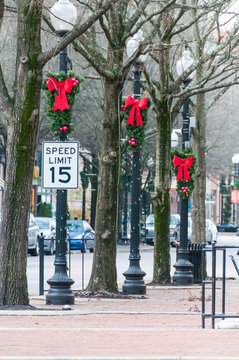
[
  {"x": 185, "y": 187},
  {"x": 135, "y": 134},
  {"x": 61, "y": 119}
]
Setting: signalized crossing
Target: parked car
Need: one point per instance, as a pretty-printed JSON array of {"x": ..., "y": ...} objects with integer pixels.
[
  {"x": 47, "y": 228},
  {"x": 81, "y": 235},
  {"x": 211, "y": 231},
  {"x": 173, "y": 229},
  {"x": 227, "y": 227},
  {"x": 33, "y": 233},
  {"x": 149, "y": 230}
]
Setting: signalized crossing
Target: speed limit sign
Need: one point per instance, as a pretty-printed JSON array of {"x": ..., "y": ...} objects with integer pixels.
[{"x": 60, "y": 165}]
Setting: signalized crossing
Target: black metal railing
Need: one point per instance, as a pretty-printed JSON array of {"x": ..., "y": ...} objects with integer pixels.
[{"x": 213, "y": 315}]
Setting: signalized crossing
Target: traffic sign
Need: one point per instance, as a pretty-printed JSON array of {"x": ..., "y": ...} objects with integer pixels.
[{"x": 60, "y": 168}]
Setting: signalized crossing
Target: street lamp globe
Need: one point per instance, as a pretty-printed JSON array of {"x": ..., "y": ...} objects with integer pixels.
[
  {"x": 235, "y": 161},
  {"x": 174, "y": 139},
  {"x": 184, "y": 63},
  {"x": 133, "y": 44},
  {"x": 63, "y": 16}
]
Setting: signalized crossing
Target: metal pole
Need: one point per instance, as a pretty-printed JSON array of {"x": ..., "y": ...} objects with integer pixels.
[
  {"x": 223, "y": 281},
  {"x": 60, "y": 292},
  {"x": 84, "y": 189},
  {"x": 183, "y": 274},
  {"x": 126, "y": 190},
  {"x": 41, "y": 264},
  {"x": 213, "y": 284},
  {"x": 134, "y": 283}
]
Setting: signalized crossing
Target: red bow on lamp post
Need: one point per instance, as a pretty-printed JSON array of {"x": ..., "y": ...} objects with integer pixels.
[
  {"x": 183, "y": 165},
  {"x": 61, "y": 102},
  {"x": 136, "y": 104}
]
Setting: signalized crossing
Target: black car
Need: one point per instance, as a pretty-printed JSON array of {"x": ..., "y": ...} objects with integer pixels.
[{"x": 227, "y": 227}]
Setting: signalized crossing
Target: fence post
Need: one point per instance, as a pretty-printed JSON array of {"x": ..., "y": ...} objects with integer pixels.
[{"x": 41, "y": 264}]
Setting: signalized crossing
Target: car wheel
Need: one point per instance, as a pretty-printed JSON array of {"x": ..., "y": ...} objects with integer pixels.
[
  {"x": 35, "y": 252},
  {"x": 91, "y": 250},
  {"x": 51, "y": 251}
]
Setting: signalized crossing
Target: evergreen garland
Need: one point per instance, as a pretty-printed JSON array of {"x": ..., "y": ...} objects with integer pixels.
[
  {"x": 60, "y": 119},
  {"x": 184, "y": 187},
  {"x": 135, "y": 134}
]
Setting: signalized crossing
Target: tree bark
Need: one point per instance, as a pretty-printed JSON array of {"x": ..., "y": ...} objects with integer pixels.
[
  {"x": 161, "y": 200},
  {"x": 103, "y": 277},
  {"x": 21, "y": 143}
]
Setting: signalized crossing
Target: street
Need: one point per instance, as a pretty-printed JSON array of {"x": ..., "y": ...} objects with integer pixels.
[{"x": 80, "y": 264}]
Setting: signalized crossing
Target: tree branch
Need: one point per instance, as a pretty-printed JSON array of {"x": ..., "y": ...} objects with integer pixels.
[
  {"x": 76, "y": 32},
  {"x": 93, "y": 62}
]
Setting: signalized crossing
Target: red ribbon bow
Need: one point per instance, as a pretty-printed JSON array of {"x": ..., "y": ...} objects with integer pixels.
[
  {"x": 183, "y": 165},
  {"x": 61, "y": 102},
  {"x": 138, "y": 104}
]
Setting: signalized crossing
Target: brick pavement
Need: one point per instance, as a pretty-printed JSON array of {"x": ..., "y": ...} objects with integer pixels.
[{"x": 164, "y": 324}]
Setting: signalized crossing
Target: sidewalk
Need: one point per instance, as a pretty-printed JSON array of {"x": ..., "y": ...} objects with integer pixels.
[{"x": 163, "y": 324}]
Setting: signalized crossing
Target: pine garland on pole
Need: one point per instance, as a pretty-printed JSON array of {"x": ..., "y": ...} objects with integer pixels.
[
  {"x": 135, "y": 114},
  {"x": 61, "y": 90},
  {"x": 183, "y": 164}
]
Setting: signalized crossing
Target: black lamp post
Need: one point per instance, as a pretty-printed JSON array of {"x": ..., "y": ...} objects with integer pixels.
[
  {"x": 126, "y": 191},
  {"x": 183, "y": 274},
  {"x": 84, "y": 187},
  {"x": 134, "y": 283},
  {"x": 60, "y": 292}
]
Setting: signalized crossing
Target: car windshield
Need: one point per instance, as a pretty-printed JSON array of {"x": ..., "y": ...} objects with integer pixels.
[
  {"x": 75, "y": 226},
  {"x": 43, "y": 224},
  {"x": 150, "y": 219}
]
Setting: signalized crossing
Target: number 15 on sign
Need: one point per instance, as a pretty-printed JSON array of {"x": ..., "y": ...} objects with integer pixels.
[{"x": 60, "y": 165}]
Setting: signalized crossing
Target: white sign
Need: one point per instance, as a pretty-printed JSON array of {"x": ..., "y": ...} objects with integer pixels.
[{"x": 60, "y": 165}]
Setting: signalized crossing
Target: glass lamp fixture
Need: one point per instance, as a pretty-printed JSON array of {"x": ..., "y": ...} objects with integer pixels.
[
  {"x": 133, "y": 44},
  {"x": 184, "y": 63},
  {"x": 174, "y": 139},
  {"x": 63, "y": 16}
]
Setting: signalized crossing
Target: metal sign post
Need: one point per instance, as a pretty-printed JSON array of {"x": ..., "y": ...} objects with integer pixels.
[
  {"x": 60, "y": 165},
  {"x": 60, "y": 171}
]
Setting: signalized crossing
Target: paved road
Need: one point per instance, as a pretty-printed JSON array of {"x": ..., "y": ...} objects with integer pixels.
[{"x": 81, "y": 264}]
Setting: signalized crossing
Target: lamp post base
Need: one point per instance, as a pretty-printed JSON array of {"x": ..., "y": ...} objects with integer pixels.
[
  {"x": 60, "y": 292},
  {"x": 183, "y": 274},
  {"x": 134, "y": 283}
]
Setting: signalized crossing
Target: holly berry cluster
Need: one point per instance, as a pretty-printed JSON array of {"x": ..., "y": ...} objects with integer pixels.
[
  {"x": 132, "y": 142},
  {"x": 61, "y": 120},
  {"x": 184, "y": 187}
]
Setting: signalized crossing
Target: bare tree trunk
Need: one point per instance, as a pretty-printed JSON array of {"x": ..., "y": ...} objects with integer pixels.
[
  {"x": 103, "y": 277},
  {"x": 161, "y": 272},
  {"x": 198, "y": 197},
  {"x": 21, "y": 143}
]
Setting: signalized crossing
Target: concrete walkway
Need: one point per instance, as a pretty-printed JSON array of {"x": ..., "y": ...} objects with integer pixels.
[{"x": 163, "y": 324}]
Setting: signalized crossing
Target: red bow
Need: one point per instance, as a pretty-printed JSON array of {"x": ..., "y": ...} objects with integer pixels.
[
  {"x": 61, "y": 102},
  {"x": 183, "y": 165},
  {"x": 138, "y": 104}
]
